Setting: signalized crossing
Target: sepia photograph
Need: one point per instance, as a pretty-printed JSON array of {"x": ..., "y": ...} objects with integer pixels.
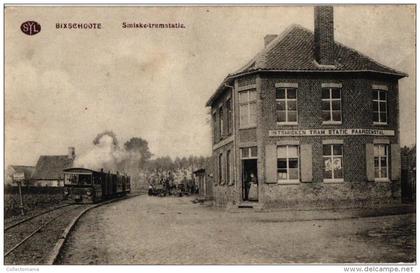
[{"x": 217, "y": 134}]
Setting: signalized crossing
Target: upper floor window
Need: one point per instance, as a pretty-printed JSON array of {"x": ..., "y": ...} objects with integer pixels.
[
  {"x": 380, "y": 152},
  {"x": 247, "y": 108},
  {"x": 331, "y": 105},
  {"x": 379, "y": 104},
  {"x": 229, "y": 123},
  {"x": 221, "y": 132},
  {"x": 286, "y": 100},
  {"x": 214, "y": 118}
]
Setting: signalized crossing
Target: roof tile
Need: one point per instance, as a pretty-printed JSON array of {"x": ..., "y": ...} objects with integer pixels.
[{"x": 50, "y": 167}]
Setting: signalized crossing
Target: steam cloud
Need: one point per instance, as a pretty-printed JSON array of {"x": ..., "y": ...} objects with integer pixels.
[{"x": 107, "y": 155}]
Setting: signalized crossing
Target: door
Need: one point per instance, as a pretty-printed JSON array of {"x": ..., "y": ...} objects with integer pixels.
[{"x": 249, "y": 180}]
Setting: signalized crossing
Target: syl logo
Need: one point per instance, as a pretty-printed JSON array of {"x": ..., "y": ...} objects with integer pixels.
[{"x": 30, "y": 28}]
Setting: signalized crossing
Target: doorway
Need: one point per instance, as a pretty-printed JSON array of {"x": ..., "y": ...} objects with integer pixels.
[{"x": 249, "y": 166}]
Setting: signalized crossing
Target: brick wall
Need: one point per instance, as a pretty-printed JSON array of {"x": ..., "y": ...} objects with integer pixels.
[
  {"x": 313, "y": 195},
  {"x": 220, "y": 102},
  {"x": 356, "y": 101},
  {"x": 224, "y": 192},
  {"x": 356, "y": 113}
]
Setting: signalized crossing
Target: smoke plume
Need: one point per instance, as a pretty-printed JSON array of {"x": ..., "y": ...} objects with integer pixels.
[{"x": 105, "y": 154}]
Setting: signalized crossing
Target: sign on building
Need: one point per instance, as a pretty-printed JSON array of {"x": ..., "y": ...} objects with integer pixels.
[{"x": 332, "y": 132}]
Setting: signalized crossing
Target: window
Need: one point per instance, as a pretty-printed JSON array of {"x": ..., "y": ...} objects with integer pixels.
[
  {"x": 247, "y": 108},
  {"x": 249, "y": 153},
  {"x": 380, "y": 152},
  {"x": 379, "y": 103},
  {"x": 333, "y": 162},
  {"x": 288, "y": 163},
  {"x": 70, "y": 179},
  {"x": 220, "y": 168},
  {"x": 214, "y": 127},
  {"x": 286, "y": 101},
  {"x": 331, "y": 105},
  {"x": 221, "y": 122},
  {"x": 228, "y": 167},
  {"x": 78, "y": 179},
  {"x": 229, "y": 123}
]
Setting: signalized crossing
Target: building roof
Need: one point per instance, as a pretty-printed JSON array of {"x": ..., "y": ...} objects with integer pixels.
[
  {"x": 50, "y": 167},
  {"x": 26, "y": 170},
  {"x": 293, "y": 51}
]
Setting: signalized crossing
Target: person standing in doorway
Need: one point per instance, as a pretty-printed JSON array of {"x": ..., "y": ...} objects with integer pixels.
[{"x": 248, "y": 182}]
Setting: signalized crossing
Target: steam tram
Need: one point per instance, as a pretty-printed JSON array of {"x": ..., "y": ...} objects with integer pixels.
[{"x": 88, "y": 186}]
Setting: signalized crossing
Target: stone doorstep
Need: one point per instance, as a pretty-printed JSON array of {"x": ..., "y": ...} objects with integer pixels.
[
  {"x": 389, "y": 206},
  {"x": 338, "y": 212},
  {"x": 247, "y": 205}
]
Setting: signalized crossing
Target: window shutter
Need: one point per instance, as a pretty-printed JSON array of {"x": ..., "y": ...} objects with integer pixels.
[
  {"x": 395, "y": 162},
  {"x": 306, "y": 162},
  {"x": 370, "y": 162},
  {"x": 271, "y": 163}
]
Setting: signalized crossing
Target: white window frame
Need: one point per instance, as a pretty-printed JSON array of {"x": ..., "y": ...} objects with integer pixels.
[
  {"x": 378, "y": 101},
  {"x": 288, "y": 180},
  {"x": 386, "y": 146},
  {"x": 286, "y": 100},
  {"x": 332, "y": 156},
  {"x": 248, "y": 102},
  {"x": 330, "y": 102}
]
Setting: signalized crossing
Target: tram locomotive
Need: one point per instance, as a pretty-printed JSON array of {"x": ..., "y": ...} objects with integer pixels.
[{"x": 88, "y": 186}]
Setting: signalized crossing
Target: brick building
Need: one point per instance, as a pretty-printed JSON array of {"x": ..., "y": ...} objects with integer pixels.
[{"x": 315, "y": 121}]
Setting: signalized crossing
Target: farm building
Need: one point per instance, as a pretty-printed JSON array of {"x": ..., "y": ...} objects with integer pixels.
[
  {"x": 49, "y": 169},
  {"x": 307, "y": 122},
  {"x": 25, "y": 171}
]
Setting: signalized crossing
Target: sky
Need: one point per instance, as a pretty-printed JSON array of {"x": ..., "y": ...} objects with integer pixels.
[{"x": 63, "y": 87}]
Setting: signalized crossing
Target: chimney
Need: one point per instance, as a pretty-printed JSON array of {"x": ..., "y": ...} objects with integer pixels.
[
  {"x": 268, "y": 38},
  {"x": 324, "y": 34},
  {"x": 71, "y": 153}
]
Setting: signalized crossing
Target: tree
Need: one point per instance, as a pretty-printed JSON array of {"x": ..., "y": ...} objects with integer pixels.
[{"x": 139, "y": 146}]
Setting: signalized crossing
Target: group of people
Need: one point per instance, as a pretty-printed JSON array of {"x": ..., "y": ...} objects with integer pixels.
[{"x": 167, "y": 185}]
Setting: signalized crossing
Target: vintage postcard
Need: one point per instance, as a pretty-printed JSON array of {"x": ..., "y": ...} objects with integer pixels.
[{"x": 210, "y": 135}]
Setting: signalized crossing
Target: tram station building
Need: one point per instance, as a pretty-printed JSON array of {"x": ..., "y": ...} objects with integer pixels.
[{"x": 315, "y": 121}]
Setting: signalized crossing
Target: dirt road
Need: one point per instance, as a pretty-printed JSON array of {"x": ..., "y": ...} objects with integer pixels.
[{"x": 153, "y": 230}]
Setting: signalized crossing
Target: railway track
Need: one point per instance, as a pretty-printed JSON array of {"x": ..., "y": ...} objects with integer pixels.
[
  {"x": 27, "y": 242},
  {"x": 39, "y": 239},
  {"x": 14, "y": 223}
]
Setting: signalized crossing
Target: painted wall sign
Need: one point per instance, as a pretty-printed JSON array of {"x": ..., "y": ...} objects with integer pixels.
[{"x": 332, "y": 132}]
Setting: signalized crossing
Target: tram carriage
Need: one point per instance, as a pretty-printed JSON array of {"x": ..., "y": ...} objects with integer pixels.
[{"x": 88, "y": 186}]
